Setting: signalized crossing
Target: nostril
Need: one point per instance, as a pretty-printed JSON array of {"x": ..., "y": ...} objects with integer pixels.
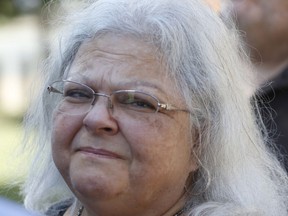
[{"x": 107, "y": 129}]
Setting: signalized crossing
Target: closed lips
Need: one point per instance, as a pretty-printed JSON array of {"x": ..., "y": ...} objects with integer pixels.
[{"x": 101, "y": 152}]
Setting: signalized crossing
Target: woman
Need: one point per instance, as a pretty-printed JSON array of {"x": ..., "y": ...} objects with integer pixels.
[{"x": 145, "y": 111}]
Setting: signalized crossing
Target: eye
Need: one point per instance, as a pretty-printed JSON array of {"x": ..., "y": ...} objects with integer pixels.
[
  {"x": 77, "y": 95},
  {"x": 136, "y": 101}
]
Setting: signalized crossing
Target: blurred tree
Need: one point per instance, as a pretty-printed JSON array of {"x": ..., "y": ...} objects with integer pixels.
[
  {"x": 7, "y": 8},
  {"x": 11, "y": 8},
  {"x": 27, "y": 6}
]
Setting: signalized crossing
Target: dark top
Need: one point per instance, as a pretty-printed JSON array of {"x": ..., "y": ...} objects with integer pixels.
[
  {"x": 275, "y": 96},
  {"x": 59, "y": 208}
]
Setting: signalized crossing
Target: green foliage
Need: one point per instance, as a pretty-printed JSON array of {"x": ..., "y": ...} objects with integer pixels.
[
  {"x": 11, "y": 193},
  {"x": 10, "y": 172},
  {"x": 7, "y": 9}
]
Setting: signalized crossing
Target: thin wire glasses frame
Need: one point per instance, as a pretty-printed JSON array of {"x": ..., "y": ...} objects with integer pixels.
[{"x": 78, "y": 98}]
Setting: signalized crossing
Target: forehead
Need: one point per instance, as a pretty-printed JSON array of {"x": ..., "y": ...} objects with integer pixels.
[
  {"x": 119, "y": 58},
  {"x": 116, "y": 49},
  {"x": 120, "y": 45}
]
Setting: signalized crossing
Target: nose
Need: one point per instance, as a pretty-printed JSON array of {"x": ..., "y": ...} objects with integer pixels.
[
  {"x": 99, "y": 119},
  {"x": 99, "y": 95}
]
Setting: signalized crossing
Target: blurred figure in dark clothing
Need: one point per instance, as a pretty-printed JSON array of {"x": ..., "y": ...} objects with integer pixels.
[{"x": 264, "y": 26}]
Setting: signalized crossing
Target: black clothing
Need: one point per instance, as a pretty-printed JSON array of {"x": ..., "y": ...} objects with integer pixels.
[
  {"x": 59, "y": 208},
  {"x": 276, "y": 96}
]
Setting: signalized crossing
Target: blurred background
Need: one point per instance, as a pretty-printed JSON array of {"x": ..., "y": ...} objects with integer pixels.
[{"x": 22, "y": 34}]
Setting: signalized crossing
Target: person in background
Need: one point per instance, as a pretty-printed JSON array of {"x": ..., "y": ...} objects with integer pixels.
[
  {"x": 264, "y": 27},
  {"x": 145, "y": 110}
]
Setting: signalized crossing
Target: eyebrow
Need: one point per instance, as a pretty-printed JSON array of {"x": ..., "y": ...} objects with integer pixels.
[
  {"x": 132, "y": 83},
  {"x": 142, "y": 83}
]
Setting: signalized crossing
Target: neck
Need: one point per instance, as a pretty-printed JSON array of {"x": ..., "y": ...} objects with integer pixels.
[
  {"x": 81, "y": 209},
  {"x": 176, "y": 210}
]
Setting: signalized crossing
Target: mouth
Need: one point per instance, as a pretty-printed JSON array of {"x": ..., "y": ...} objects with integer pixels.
[{"x": 99, "y": 153}]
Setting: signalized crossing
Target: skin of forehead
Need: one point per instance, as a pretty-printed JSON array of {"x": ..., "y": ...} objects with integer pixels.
[{"x": 102, "y": 50}]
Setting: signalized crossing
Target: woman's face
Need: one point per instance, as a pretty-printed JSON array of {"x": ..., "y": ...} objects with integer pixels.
[{"x": 130, "y": 161}]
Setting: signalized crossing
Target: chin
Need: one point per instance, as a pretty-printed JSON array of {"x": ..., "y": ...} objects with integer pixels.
[{"x": 96, "y": 185}]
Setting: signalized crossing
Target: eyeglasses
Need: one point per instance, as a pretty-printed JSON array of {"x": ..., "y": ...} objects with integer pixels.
[{"x": 77, "y": 99}]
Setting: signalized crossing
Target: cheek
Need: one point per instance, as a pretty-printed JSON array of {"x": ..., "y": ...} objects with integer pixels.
[
  {"x": 63, "y": 132},
  {"x": 160, "y": 156},
  {"x": 152, "y": 141},
  {"x": 142, "y": 133},
  {"x": 65, "y": 127}
]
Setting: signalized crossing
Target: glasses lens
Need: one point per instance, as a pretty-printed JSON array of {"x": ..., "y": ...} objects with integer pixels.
[
  {"x": 135, "y": 100},
  {"x": 76, "y": 98}
]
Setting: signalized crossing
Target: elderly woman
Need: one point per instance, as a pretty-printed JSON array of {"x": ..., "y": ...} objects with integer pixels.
[{"x": 145, "y": 111}]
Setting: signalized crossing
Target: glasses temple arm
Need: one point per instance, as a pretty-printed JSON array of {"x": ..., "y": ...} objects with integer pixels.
[
  {"x": 170, "y": 107},
  {"x": 51, "y": 89}
]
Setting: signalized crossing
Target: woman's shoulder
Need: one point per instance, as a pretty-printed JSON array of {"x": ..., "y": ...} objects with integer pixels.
[{"x": 59, "y": 208}]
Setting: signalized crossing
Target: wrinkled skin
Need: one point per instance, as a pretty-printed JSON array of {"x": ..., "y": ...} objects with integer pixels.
[{"x": 118, "y": 163}]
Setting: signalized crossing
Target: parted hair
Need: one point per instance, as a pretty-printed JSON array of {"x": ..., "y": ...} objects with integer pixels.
[{"x": 238, "y": 174}]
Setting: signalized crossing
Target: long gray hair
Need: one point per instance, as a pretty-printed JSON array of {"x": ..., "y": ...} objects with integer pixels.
[{"x": 237, "y": 173}]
